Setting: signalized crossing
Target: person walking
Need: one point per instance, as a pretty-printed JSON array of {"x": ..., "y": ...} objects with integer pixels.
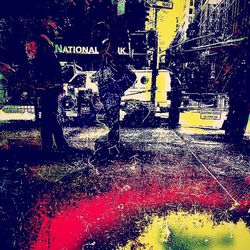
[
  {"x": 175, "y": 97},
  {"x": 113, "y": 80},
  {"x": 45, "y": 75}
]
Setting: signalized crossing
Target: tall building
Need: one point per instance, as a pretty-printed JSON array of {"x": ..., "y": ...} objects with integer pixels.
[
  {"x": 221, "y": 20},
  {"x": 187, "y": 19},
  {"x": 217, "y": 30}
]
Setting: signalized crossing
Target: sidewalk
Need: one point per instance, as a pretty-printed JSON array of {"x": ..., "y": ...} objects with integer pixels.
[{"x": 158, "y": 171}]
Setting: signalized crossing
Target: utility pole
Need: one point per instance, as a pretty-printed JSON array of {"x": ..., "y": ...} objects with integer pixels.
[
  {"x": 155, "y": 61},
  {"x": 157, "y": 5}
]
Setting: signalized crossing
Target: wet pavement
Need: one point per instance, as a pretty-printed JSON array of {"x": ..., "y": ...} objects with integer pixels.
[{"x": 68, "y": 201}]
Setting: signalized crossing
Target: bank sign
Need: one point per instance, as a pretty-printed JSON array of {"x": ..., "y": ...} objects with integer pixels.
[{"x": 84, "y": 50}]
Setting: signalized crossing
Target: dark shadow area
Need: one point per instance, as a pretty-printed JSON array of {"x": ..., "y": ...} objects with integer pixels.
[
  {"x": 21, "y": 156},
  {"x": 20, "y": 191}
]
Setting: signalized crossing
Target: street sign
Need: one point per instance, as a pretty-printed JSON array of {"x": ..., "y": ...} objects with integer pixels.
[
  {"x": 210, "y": 114},
  {"x": 163, "y": 4}
]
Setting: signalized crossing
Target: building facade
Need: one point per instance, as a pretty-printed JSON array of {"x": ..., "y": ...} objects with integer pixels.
[
  {"x": 187, "y": 19},
  {"x": 218, "y": 31},
  {"x": 222, "y": 20}
]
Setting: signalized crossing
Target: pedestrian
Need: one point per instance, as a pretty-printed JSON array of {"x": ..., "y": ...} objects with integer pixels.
[
  {"x": 113, "y": 80},
  {"x": 45, "y": 75},
  {"x": 175, "y": 97}
]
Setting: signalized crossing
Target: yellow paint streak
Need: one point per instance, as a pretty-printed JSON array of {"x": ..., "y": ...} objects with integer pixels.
[
  {"x": 153, "y": 237},
  {"x": 163, "y": 86},
  {"x": 197, "y": 230},
  {"x": 248, "y": 127},
  {"x": 166, "y": 23}
]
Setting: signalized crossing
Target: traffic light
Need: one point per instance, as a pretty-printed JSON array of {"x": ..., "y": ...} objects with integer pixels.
[{"x": 137, "y": 13}]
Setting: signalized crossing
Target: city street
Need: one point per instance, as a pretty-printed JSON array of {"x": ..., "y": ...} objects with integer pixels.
[
  {"x": 68, "y": 201},
  {"x": 124, "y": 125}
]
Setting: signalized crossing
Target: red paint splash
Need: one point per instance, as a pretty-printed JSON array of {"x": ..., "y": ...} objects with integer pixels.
[
  {"x": 247, "y": 179},
  {"x": 91, "y": 217},
  {"x": 31, "y": 49}
]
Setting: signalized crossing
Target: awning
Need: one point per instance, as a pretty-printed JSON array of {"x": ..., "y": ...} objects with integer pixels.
[
  {"x": 212, "y": 49},
  {"x": 229, "y": 43}
]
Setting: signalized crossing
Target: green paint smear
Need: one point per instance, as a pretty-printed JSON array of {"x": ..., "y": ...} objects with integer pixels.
[
  {"x": 185, "y": 231},
  {"x": 121, "y": 7},
  {"x": 1, "y": 76},
  {"x": 177, "y": 242}
]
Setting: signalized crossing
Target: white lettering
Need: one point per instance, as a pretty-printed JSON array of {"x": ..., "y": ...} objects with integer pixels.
[
  {"x": 91, "y": 50},
  {"x": 58, "y": 48},
  {"x": 65, "y": 50},
  {"x": 121, "y": 50},
  {"x": 70, "y": 48},
  {"x": 83, "y": 50},
  {"x": 78, "y": 49}
]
